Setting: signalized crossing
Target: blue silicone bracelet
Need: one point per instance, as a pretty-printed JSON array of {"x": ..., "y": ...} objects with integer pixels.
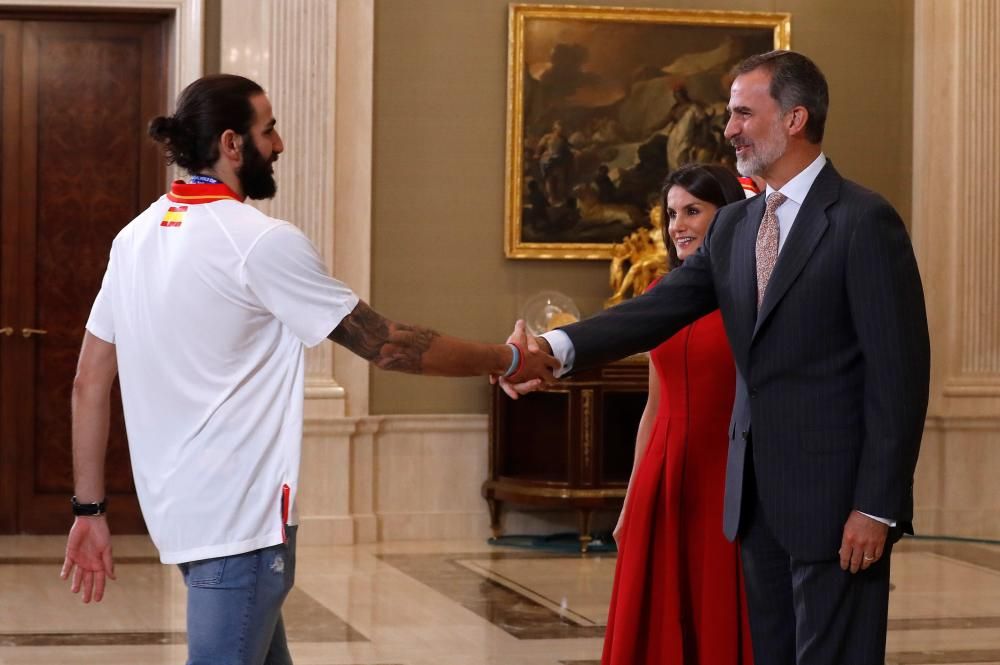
[{"x": 515, "y": 361}]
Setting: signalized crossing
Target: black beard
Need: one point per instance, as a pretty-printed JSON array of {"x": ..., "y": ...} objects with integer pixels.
[{"x": 255, "y": 175}]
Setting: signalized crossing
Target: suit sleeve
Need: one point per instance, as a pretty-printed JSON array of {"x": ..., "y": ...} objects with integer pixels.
[
  {"x": 887, "y": 306},
  {"x": 642, "y": 323}
]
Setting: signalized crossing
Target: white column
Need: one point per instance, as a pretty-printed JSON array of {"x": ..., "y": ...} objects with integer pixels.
[
  {"x": 355, "y": 75},
  {"x": 956, "y": 232},
  {"x": 315, "y": 60}
]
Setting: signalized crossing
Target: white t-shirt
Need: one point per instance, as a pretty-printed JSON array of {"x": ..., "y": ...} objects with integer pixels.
[{"x": 209, "y": 303}]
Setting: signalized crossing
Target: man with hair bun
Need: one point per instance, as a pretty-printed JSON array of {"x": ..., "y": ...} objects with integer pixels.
[{"x": 205, "y": 310}]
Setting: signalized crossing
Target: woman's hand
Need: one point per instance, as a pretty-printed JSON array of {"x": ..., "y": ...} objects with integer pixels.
[{"x": 617, "y": 533}]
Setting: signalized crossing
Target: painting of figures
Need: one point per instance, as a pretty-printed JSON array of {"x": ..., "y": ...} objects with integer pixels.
[{"x": 602, "y": 104}]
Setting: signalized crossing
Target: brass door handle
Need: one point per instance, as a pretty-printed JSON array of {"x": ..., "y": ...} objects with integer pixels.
[
  {"x": 28, "y": 332},
  {"x": 7, "y": 331}
]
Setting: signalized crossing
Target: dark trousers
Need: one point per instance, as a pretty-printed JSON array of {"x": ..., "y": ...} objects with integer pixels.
[{"x": 809, "y": 612}]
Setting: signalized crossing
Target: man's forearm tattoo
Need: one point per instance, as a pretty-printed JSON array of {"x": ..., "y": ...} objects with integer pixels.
[
  {"x": 363, "y": 331},
  {"x": 388, "y": 345}
]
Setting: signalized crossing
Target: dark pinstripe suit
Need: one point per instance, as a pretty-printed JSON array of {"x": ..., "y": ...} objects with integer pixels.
[{"x": 832, "y": 390}]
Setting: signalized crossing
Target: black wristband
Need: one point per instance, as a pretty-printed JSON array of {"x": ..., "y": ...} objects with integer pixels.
[{"x": 89, "y": 509}]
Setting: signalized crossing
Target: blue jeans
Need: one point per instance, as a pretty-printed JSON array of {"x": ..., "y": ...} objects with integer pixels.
[{"x": 234, "y": 606}]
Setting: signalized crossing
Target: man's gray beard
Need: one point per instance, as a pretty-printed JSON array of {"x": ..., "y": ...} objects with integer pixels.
[
  {"x": 749, "y": 166},
  {"x": 764, "y": 155}
]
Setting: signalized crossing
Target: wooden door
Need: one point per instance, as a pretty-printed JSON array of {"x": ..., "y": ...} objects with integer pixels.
[
  {"x": 10, "y": 86},
  {"x": 88, "y": 88}
]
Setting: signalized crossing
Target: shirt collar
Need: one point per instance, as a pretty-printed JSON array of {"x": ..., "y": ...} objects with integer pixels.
[
  {"x": 797, "y": 188},
  {"x": 183, "y": 192}
]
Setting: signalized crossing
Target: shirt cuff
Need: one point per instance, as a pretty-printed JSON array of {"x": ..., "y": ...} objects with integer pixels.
[
  {"x": 883, "y": 520},
  {"x": 562, "y": 350}
]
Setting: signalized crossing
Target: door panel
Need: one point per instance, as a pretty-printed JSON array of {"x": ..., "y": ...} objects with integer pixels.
[
  {"x": 88, "y": 90},
  {"x": 10, "y": 86}
]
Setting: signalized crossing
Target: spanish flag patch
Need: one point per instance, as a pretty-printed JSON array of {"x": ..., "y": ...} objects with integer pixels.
[{"x": 174, "y": 216}]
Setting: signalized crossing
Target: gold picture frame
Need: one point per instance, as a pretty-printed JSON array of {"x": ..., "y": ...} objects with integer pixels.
[{"x": 600, "y": 102}]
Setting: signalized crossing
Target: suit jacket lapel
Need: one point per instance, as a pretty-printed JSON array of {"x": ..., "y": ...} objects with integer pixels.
[
  {"x": 810, "y": 225},
  {"x": 745, "y": 268}
]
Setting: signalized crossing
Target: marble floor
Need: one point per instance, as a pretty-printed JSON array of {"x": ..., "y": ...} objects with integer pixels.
[{"x": 452, "y": 603}]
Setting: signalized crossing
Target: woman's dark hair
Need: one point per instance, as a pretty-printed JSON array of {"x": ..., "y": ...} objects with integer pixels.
[
  {"x": 205, "y": 109},
  {"x": 711, "y": 183}
]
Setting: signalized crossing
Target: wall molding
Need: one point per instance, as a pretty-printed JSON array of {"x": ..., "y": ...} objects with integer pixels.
[
  {"x": 972, "y": 387},
  {"x": 418, "y": 477},
  {"x": 966, "y": 423},
  {"x": 393, "y": 477}
]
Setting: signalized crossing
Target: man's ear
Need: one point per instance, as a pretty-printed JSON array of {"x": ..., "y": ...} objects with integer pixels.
[
  {"x": 231, "y": 146},
  {"x": 796, "y": 119}
]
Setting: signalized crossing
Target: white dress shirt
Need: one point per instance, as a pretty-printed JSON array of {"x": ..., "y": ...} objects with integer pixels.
[{"x": 795, "y": 191}]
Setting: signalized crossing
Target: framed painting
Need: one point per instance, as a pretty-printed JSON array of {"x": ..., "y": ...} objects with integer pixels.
[{"x": 602, "y": 103}]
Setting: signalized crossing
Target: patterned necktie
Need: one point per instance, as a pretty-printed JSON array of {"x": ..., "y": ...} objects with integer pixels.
[{"x": 767, "y": 243}]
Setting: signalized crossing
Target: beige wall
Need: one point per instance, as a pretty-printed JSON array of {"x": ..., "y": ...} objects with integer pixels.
[{"x": 440, "y": 99}]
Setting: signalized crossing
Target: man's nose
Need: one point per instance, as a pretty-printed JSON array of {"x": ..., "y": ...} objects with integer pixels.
[{"x": 731, "y": 129}]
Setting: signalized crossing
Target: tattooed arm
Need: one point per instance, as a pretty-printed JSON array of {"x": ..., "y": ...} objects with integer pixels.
[{"x": 416, "y": 350}]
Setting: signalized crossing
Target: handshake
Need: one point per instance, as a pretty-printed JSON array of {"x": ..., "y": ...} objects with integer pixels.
[{"x": 535, "y": 365}]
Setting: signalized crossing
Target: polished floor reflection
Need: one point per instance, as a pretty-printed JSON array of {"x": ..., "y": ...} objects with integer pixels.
[{"x": 455, "y": 603}]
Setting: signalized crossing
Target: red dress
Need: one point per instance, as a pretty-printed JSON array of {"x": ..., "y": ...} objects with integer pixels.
[{"x": 678, "y": 597}]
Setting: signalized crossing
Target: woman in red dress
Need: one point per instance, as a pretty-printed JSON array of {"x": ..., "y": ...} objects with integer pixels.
[{"x": 678, "y": 595}]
